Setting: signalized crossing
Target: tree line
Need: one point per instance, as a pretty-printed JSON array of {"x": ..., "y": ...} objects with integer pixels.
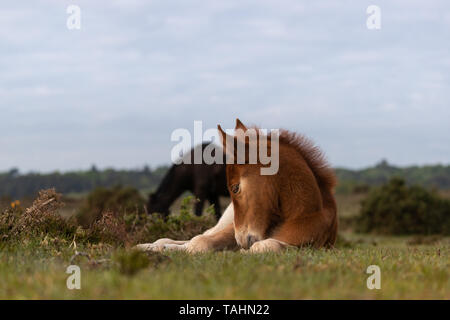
[
  {"x": 429, "y": 176},
  {"x": 14, "y": 184}
]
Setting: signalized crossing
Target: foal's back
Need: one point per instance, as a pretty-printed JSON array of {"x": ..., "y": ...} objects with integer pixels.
[{"x": 311, "y": 183}]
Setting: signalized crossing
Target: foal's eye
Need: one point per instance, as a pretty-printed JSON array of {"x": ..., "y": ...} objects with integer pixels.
[{"x": 235, "y": 188}]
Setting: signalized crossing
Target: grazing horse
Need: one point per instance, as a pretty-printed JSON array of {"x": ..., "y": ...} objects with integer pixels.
[
  {"x": 294, "y": 207},
  {"x": 206, "y": 182}
]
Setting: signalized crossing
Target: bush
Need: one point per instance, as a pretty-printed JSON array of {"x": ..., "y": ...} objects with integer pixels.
[
  {"x": 398, "y": 209},
  {"x": 118, "y": 228},
  {"x": 42, "y": 218},
  {"x": 119, "y": 200},
  {"x": 133, "y": 228}
]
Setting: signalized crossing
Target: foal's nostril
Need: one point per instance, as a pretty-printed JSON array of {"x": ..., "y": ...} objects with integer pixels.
[{"x": 250, "y": 240}]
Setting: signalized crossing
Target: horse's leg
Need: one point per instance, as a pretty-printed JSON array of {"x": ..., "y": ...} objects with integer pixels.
[
  {"x": 200, "y": 196},
  {"x": 219, "y": 237},
  {"x": 221, "y": 240},
  {"x": 214, "y": 200},
  {"x": 226, "y": 219},
  {"x": 267, "y": 245},
  {"x": 199, "y": 207},
  {"x": 294, "y": 233},
  {"x": 159, "y": 244}
]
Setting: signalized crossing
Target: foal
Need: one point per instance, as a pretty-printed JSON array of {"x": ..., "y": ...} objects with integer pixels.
[{"x": 294, "y": 207}]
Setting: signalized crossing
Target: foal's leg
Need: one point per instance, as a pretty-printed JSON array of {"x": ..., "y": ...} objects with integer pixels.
[
  {"x": 226, "y": 219},
  {"x": 221, "y": 240},
  {"x": 267, "y": 245},
  {"x": 293, "y": 233},
  {"x": 219, "y": 237},
  {"x": 159, "y": 244}
]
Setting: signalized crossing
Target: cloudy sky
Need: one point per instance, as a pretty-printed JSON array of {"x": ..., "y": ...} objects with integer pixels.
[{"x": 112, "y": 92}]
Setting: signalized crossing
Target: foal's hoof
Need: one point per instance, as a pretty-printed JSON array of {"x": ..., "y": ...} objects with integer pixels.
[
  {"x": 268, "y": 245},
  {"x": 143, "y": 247},
  {"x": 151, "y": 247},
  {"x": 157, "y": 246},
  {"x": 162, "y": 242}
]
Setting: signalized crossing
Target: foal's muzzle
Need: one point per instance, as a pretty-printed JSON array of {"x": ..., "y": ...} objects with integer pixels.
[
  {"x": 251, "y": 239},
  {"x": 246, "y": 240}
]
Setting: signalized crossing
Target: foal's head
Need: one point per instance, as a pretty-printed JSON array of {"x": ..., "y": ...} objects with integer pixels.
[
  {"x": 254, "y": 195},
  {"x": 262, "y": 202}
]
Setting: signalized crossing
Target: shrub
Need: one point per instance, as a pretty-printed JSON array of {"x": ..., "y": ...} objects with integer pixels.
[
  {"x": 120, "y": 200},
  {"x": 133, "y": 228},
  {"x": 397, "y": 209},
  {"x": 110, "y": 228},
  {"x": 42, "y": 218}
]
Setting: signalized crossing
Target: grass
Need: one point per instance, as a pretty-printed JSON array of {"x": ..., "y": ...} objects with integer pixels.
[
  {"x": 36, "y": 270},
  {"x": 34, "y": 267}
]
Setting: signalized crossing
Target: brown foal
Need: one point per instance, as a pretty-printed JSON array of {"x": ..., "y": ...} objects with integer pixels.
[{"x": 293, "y": 207}]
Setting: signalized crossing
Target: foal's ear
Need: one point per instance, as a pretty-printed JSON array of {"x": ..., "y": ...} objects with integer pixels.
[
  {"x": 224, "y": 138},
  {"x": 222, "y": 134},
  {"x": 240, "y": 125},
  {"x": 240, "y": 130},
  {"x": 235, "y": 147}
]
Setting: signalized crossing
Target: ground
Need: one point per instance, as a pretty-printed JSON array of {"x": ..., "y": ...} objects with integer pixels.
[
  {"x": 411, "y": 268},
  {"x": 38, "y": 271}
]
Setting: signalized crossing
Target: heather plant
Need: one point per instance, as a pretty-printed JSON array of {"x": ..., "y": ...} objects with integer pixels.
[
  {"x": 135, "y": 227},
  {"x": 41, "y": 218},
  {"x": 110, "y": 228}
]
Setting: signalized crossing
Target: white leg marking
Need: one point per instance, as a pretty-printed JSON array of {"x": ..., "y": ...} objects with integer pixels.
[
  {"x": 159, "y": 245},
  {"x": 180, "y": 247},
  {"x": 267, "y": 245},
  {"x": 225, "y": 220},
  {"x": 197, "y": 244}
]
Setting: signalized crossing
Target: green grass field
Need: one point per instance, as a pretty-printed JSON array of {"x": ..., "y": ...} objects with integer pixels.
[
  {"x": 411, "y": 268},
  {"x": 37, "y": 271}
]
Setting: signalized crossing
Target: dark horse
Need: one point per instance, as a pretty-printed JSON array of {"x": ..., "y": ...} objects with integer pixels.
[{"x": 206, "y": 182}]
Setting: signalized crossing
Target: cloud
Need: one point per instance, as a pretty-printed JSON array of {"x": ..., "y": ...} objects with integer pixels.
[{"x": 112, "y": 92}]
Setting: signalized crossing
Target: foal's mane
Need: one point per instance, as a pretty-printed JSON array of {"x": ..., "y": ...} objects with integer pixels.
[
  {"x": 313, "y": 156},
  {"x": 311, "y": 153}
]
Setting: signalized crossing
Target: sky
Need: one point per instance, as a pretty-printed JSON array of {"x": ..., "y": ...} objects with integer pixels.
[{"x": 112, "y": 92}]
